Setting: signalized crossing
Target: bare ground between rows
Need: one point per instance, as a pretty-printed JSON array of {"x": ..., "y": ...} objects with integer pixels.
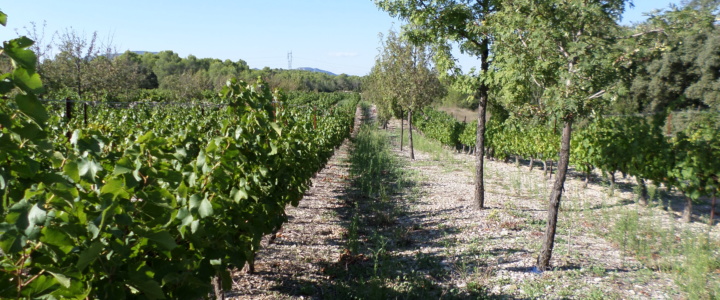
[
  {"x": 498, "y": 246},
  {"x": 493, "y": 249},
  {"x": 312, "y": 239}
]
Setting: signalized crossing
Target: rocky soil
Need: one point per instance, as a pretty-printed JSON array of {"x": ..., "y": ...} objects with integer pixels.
[{"x": 461, "y": 249}]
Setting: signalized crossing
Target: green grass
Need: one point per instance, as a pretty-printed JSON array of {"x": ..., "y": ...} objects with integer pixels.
[
  {"x": 373, "y": 267},
  {"x": 692, "y": 258}
]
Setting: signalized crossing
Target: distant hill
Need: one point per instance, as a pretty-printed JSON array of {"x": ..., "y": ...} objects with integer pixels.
[
  {"x": 143, "y": 52},
  {"x": 316, "y": 70}
]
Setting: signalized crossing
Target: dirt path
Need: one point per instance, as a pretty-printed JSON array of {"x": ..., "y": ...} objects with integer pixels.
[
  {"x": 496, "y": 248},
  {"x": 312, "y": 239}
]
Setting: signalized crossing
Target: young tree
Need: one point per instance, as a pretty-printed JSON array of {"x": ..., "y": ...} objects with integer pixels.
[
  {"x": 554, "y": 58},
  {"x": 408, "y": 77},
  {"x": 442, "y": 22}
]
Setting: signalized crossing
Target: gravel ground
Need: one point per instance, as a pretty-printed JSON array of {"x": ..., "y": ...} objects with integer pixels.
[{"x": 492, "y": 250}]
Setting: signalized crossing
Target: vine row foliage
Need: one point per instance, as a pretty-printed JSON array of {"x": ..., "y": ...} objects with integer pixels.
[
  {"x": 509, "y": 137},
  {"x": 147, "y": 203},
  {"x": 633, "y": 145}
]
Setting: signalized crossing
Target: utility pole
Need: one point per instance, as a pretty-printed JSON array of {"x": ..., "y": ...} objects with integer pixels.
[{"x": 290, "y": 60}]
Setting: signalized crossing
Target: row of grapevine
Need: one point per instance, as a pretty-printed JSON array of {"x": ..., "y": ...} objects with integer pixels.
[
  {"x": 319, "y": 99},
  {"x": 507, "y": 138},
  {"x": 439, "y": 126},
  {"x": 147, "y": 203},
  {"x": 632, "y": 145}
]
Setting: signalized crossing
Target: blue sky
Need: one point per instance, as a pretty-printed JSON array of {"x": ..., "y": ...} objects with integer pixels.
[{"x": 340, "y": 36}]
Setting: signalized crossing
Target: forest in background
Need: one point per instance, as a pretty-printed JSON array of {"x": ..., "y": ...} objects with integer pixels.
[{"x": 78, "y": 66}]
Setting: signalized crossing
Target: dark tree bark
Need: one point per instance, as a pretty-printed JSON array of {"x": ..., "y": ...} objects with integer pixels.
[
  {"x": 412, "y": 150},
  {"x": 643, "y": 197},
  {"x": 712, "y": 209},
  {"x": 550, "y": 170},
  {"x": 612, "y": 183},
  {"x": 543, "y": 260},
  {"x": 480, "y": 137}
]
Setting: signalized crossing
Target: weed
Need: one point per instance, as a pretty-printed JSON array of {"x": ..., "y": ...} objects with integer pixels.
[
  {"x": 596, "y": 293},
  {"x": 534, "y": 288},
  {"x": 597, "y": 271},
  {"x": 494, "y": 215}
]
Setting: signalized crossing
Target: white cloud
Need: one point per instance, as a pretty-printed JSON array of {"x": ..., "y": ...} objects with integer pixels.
[{"x": 343, "y": 54}]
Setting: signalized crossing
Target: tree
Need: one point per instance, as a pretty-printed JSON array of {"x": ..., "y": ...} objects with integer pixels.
[
  {"x": 673, "y": 69},
  {"x": 454, "y": 21},
  {"x": 406, "y": 77},
  {"x": 70, "y": 67},
  {"x": 554, "y": 59}
]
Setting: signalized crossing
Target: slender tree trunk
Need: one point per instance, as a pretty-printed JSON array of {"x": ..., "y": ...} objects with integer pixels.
[
  {"x": 402, "y": 126},
  {"x": 517, "y": 160},
  {"x": 687, "y": 212},
  {"x": 217, "y": 287},
  {"x": 480, "y": 135},
  {"x": 532, "y": 163},
  {"x": 543, "y": 261},
  {"x": 712, "y": 209},
  {"x": 612, "y": 183},
  {"x": 480, "y": 150},
  {"x": 412, "y": 150},
  {"x": 544, "y": 166},
  {"x": 587, "y": 177},
  {"x": 550, "y": 170},
  {"x": 643, "y": 197}
]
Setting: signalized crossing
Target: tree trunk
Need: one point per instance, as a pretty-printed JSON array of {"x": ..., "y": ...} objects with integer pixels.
[
  {"x": 532, "y": 163},
  {"x": 643, "y": 197},
  {"x": 543, "y": 261},
  {"x": 402, "y": 126},
  {"x": 712, "y": 209},
  {"x": 587, "y": 177},
  {"x": 687, "y": 212},
  {"x": 612, "y": 183},
  {"x": 550, "y": 170},
  {"x": 480, "y": 135},
  {"x": 544, "y": 166},
  {"x": 517, "y": 160},
  {"x": 217, "y": 287},
  {"x": 412, "y": 150}
]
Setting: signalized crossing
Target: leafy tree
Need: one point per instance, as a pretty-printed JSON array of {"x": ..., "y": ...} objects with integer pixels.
[
  {"x": 454, "y": 21},
  {"x": 553, "y": 59},
  {"x": 406, "y": 77},
  {"x": 676, "y": 66},
  {"x": 71, "y": 66}
]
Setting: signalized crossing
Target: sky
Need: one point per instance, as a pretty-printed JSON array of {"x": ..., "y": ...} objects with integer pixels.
[{"x": 340, "y": 36}]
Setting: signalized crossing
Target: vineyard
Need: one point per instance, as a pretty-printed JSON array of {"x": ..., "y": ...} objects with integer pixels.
[
  {"x": 630, "y": 145},
  {"x": 248, "y": 191},
  {"x": 147, "y": 198}
]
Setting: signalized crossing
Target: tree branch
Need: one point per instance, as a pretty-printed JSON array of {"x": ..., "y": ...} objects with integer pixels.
[{"x": 597, "y": 95}]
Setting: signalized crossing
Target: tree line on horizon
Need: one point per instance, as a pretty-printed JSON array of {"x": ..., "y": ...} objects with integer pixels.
[{"x": 76, "y": 66}]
